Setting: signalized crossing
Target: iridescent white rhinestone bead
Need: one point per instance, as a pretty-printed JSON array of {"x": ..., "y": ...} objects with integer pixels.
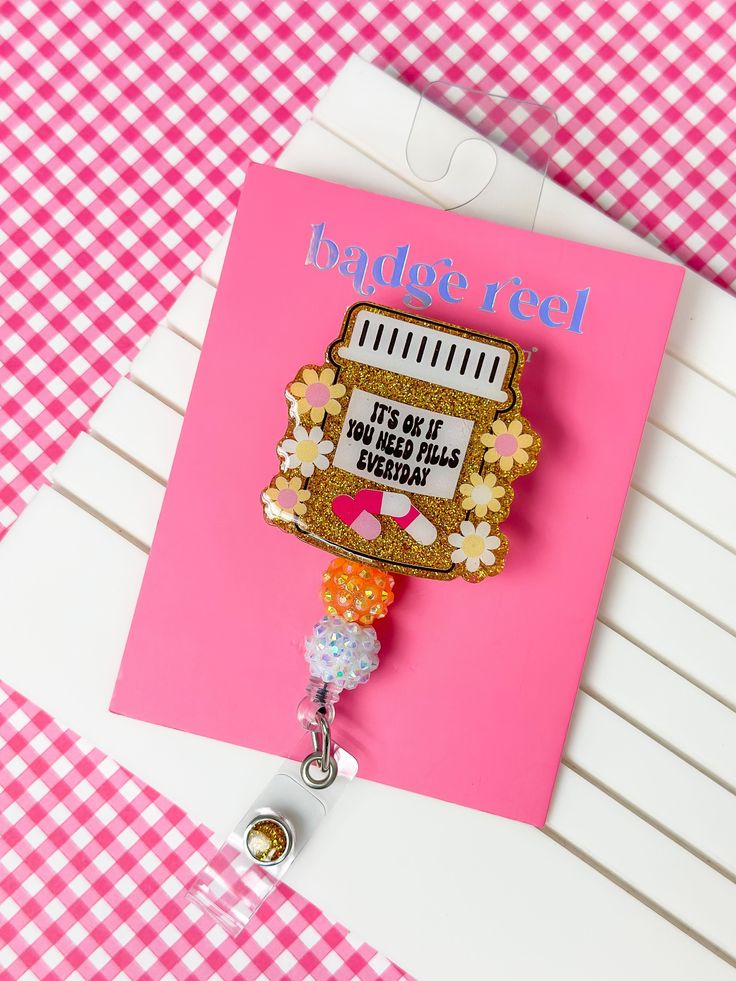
[{"x": 340, "y": 653}]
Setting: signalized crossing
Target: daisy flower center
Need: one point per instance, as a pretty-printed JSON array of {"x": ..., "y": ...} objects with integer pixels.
[
  {"x": 481, "y": 494},
  {"x": 317, "y": 394},
  {"x": 474, "y": 545},
  {"x": 506, "y": 444},
  {"x": 287, "y": 498},
  {"x": 307, "y": 451}
]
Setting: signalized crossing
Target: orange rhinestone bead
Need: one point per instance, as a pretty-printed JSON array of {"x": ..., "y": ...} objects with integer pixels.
[{"x": 358, "y": 593}]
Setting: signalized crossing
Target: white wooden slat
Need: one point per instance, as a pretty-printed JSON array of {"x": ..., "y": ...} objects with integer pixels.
[
  {"x": 68, "y": 586},
  {"x": 211, "y": 268},
  {"x": 506, "y": 882},
  {"x": 687, "y": 484},
  {"x": 139, "y": 426},
  {"x": 696, "y": 411},
  {"x": 111, "y": 487},
  {"x": 662, "y": 702},
  {"x": 191, "y": 311},
  {"x": 674, "y": 632},
  {"x": 702, "y": 333},
  {"x": 316, "y": 152},
  {"x": 166, "y": 367},
  {"x": 367, "y": 109},
  {"x": 66, "y": 660},
  {"x": 675, "y": 555},
  {"x": 669, "y": 876},
  {"x": 654, "y": 781}
]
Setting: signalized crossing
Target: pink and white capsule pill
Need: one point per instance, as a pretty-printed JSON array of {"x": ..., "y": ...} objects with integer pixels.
[
  {"x": 417, "y": 525},
  {"x": 400, "y": 508},
  {"x": 356, "y": 517}
]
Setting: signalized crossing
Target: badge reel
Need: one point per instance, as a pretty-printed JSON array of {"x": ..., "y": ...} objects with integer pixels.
[{"x": 399, "y": 455}]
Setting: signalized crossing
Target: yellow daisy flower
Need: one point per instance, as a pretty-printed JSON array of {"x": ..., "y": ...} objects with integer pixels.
[
  {"x": 306, "y": 450},
  {"x": 506, "y": 444},
  {"x": 474, "y": 546},
  {"x": 286, "y": 499},
  {"x": 482, "y": 494},
  {"x": 317, "y": 394}
]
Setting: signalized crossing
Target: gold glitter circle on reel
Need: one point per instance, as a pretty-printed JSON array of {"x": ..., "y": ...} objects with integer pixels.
[{"x": 268, "y": 840}]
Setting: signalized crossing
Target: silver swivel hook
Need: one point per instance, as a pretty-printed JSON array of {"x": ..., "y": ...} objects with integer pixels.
[{"x": 321, "y": 760}]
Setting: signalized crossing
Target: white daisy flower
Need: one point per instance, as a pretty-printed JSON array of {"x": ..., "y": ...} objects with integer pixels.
[
  {"x": 474, "y": 545},
  {"x": 307, "y": 450}
]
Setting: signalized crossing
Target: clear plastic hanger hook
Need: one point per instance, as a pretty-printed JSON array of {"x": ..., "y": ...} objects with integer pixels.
[{"x": 482, "y": 152}]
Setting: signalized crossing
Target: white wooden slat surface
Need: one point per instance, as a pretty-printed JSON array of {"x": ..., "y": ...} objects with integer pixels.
[
  {"x": 687, "y": 484},
  {"x": 662, "y": 702},
  {"x": 138, "y": 426},
  {"x": 669, "y": 876},
  {"x": 166, "y": 367},
  {"x": 211, "y": 268},
  {"x": 107, "y": 485},
  {"x": 672, "y": 631},
  {"x": 557, "y": 913},
  {"x": 670, "y": 552},
  {"x": 644, "y": 774},
  {"x": 190, "y": 313},
  {"x": 702, "y": 334},
  {"x": 696, "y": 411}
]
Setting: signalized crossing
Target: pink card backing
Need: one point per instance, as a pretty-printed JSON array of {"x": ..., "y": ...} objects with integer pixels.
[{"x": 472, "y": 699}]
